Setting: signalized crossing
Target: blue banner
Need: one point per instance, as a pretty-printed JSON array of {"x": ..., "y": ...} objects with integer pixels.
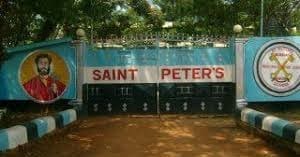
[{"x": 164, "y": 57}]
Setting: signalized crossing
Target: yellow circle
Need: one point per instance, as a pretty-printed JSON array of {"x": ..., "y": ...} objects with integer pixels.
[{"x": 48, "y": 87}]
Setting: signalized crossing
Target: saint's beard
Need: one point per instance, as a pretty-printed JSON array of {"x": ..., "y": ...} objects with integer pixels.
[{"x": 43, "y": 71}]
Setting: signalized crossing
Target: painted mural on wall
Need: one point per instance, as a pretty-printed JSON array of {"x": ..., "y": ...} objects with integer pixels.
[
  {"x": 272, "y": 69},
  {"x": 44, "y": 76},
  {"x": 278, "y": 68}
]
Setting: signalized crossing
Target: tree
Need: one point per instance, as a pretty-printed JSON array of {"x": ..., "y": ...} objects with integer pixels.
[
  {"x": 217, "y": 17},
  {"x": 25, "y": 21},
  {"x": 279, "y": 15},
  {"x": 31, "y": 20}
]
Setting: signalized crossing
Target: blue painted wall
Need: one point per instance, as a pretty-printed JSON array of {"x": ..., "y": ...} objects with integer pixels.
[
  {"x": 253, "y": 92},
  {"x": 10, "y": 88}
]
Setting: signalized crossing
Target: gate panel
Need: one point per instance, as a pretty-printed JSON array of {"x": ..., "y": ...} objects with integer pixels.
[
  {"x": 197, "y": 98},
  {"x": 125, "y": 80},
  {"x": 121, "y": 98},
  {"x": 198, "y": 80}
]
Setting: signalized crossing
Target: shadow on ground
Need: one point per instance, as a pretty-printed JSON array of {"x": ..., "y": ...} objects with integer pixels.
[{"x": 152, "y": 136}]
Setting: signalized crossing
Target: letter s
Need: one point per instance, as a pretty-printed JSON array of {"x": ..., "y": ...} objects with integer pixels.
[
  {"x": 219, "y": 73},
  {"x": 96, "y": 74}
]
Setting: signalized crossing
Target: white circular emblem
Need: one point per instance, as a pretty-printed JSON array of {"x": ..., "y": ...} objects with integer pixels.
[{"x": 277, "y": 68}]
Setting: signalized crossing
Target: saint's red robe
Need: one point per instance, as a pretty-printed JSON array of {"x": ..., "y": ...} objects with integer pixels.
[{"x": 37, "y": 89}]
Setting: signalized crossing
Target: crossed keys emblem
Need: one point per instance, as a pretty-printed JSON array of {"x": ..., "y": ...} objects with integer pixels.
[{"x": 281, "y": 67}]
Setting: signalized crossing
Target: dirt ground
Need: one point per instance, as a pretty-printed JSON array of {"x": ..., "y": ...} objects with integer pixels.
[{"x": 179, "y": 136}]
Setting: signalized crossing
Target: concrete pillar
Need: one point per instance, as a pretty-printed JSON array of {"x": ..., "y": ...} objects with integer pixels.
[
  {"x": 239, "y": 71},
  {"x": 80, "y": 48}
]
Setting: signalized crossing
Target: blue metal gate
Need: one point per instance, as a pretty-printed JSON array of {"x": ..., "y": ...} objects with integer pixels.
[{"x": 167, "y": 81}]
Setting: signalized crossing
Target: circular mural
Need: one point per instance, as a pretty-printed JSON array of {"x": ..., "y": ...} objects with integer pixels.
[
  {"x": 277, "y": 68},
  {"x": 44, "y": 76}
]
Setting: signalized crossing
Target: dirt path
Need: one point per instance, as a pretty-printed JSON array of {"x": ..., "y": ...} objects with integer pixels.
[{"x": 147, "y": 137}]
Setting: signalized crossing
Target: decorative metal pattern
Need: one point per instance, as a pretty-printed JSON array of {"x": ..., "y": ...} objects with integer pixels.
[
  {"x": 168, "y": 106},
  {"x": 185, "y": 106},
  {"x": 124, "y": 107},
  {"x": 145, "y": 107},
  {"x": 203, "y": 106},
  {"x": 109, "y": 107},
  {"x": 220, "y": 106},
  {"x": 95, "y": 108}
]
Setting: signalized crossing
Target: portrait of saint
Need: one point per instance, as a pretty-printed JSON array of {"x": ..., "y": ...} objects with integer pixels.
[{"x": 43, "y": 84}]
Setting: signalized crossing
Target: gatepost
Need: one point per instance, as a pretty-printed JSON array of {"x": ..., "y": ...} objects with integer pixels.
[
  {"x": 239, "y": 71},
  {"x": 80, "y": 46}
]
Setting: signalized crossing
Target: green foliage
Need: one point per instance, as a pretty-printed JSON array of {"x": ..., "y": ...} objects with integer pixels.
[
  {"x": 279, "y": 16},
  {"x": 25, "y": 21}
]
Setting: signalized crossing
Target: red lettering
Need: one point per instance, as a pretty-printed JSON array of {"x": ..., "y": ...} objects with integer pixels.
[
  {"x": 186, "y": 72},
  {"x": 196, "y": 73},
  {"x": 97, "y": 74},
  {"x": 113, "y": 74},
  {"x": 124, "y": 74},
  {"x": 132, "y": 73},
  {"x": 206, "y": 73},
  {"x": 219, "y": 73},
  {"x": 165, "y": 72},
  {"x": 106, "y": 75},
  {"x": 176, "y": 73}
]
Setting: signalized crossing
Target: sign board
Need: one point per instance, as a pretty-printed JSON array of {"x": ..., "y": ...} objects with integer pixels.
[{"x": 165, "y": 66}]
